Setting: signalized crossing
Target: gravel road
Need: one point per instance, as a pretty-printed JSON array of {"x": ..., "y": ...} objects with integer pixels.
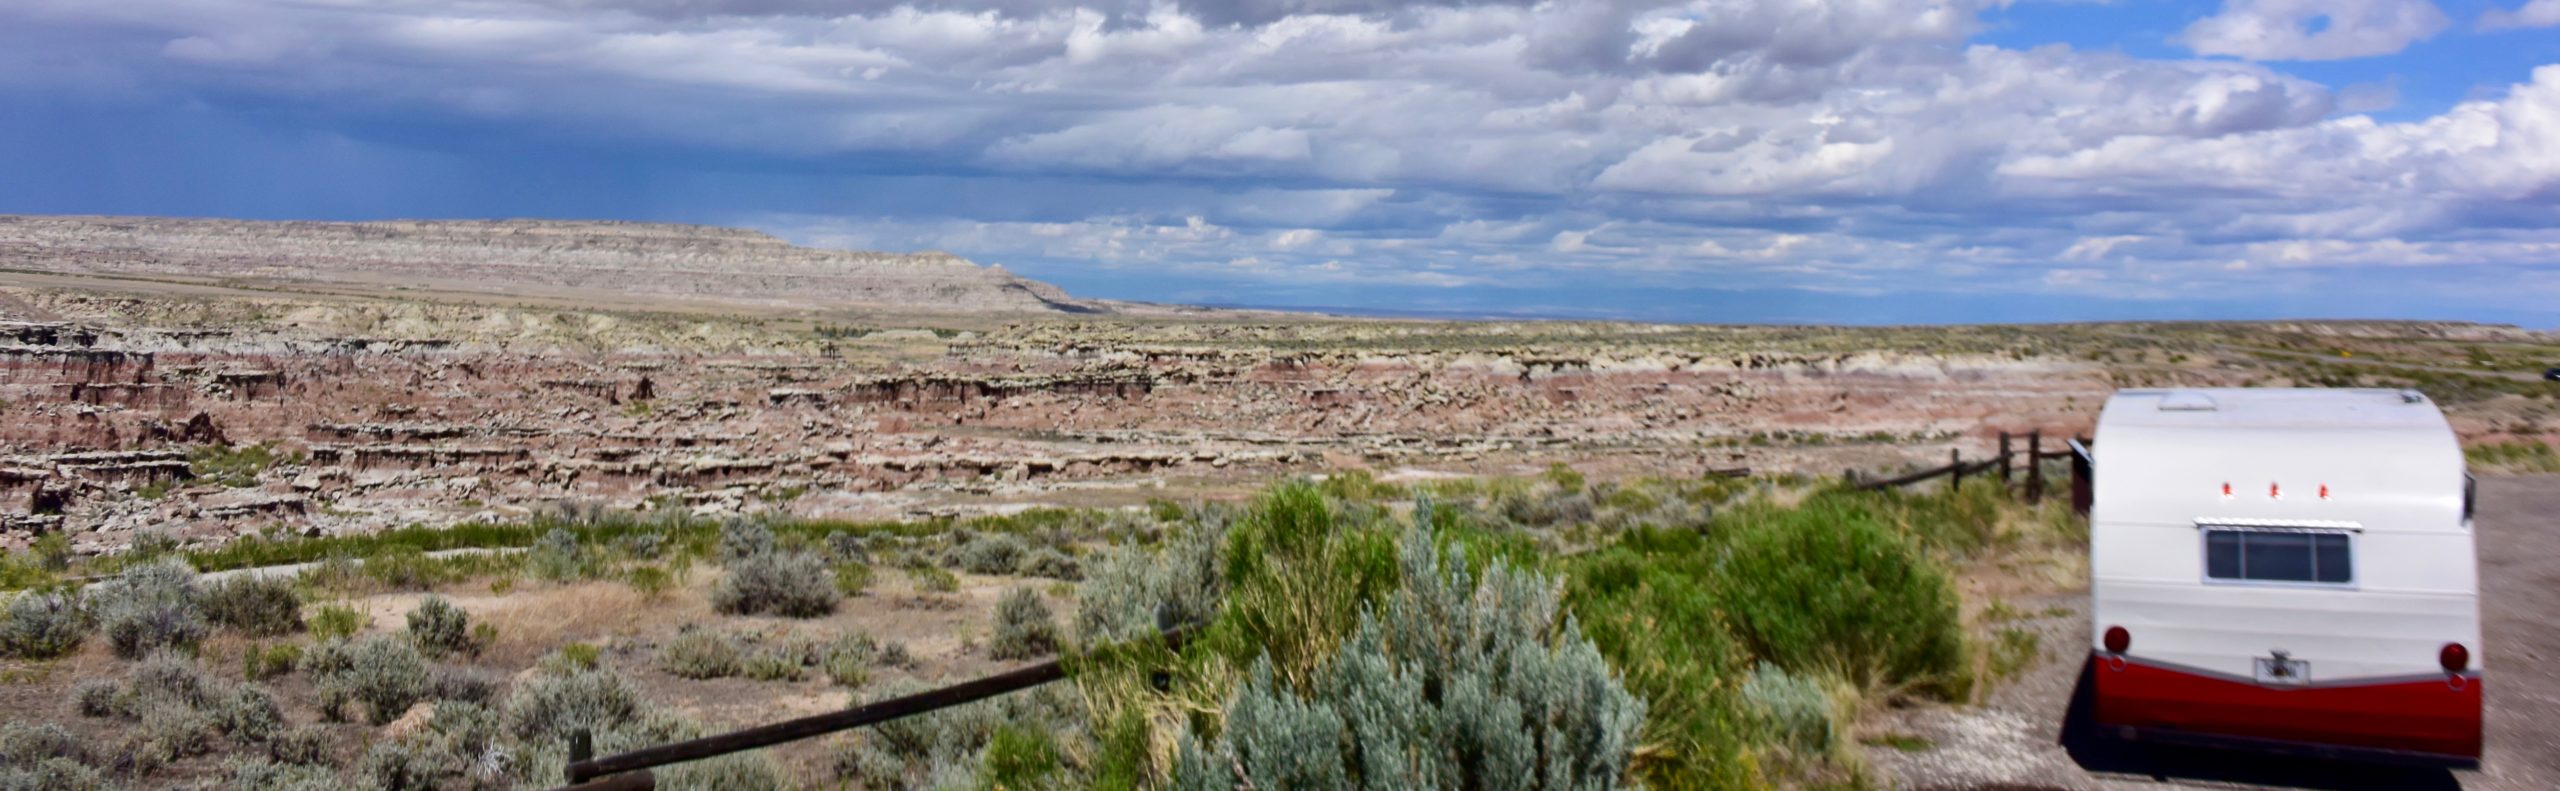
[{"x": 2011, "y": 742}]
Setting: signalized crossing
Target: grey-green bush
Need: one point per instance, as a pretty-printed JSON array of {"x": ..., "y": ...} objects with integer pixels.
[
  {"x": 1792, "y": 709},
  {"x": 383, "y": 675},
  {"x": 45, "y": 758},
  {"x": 556, "y": 556},
  {"x": 248, "y": 714},
  {"x": 305, "y": 745},
  {"x": 744, "y": 538},
  {"x": 271, "y": 775},
  {"x": 789, "y": 584},
  {"x": 989, "y": 553},
  {"x": 1459, "y": 680},
  {"x": 778, "y": 663},
  {"x": 148, "y": 607},
  {"x": 546, "y": 708},
  {"x": 42, "y": 625},
  {"x": 96, "y": 697},
  {"x": 439, "y": 628},
  {"x": 1051, "y": 563},
  {"x": 700, "y": 653},
  {"x": 261, "y": 606},
  {"x": 1024, "y": 627},
  {"x": 847, "y": 660},
  {"x": 1130, "y": 590}
]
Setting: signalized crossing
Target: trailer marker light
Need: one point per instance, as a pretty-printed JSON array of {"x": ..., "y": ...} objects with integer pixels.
[
  {"x": 2454, "y": 658},
  {"x": 2274, "y": 492},
  {"x": 2226, "y": 489},
  {"x": 2118, "y": 640},
  {"x": 2324, "y": 491}
]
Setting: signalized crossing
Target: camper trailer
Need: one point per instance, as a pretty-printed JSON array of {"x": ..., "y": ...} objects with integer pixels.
[{"x": 2286, "y": 570}]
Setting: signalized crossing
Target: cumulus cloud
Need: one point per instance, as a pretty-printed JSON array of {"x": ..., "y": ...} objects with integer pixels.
[
  {"x": 2314, "y": 29},
  {"x": 1849, "y": 145}
]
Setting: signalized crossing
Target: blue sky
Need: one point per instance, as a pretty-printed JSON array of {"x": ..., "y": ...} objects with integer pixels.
[{"x": 1698, "y": 160}]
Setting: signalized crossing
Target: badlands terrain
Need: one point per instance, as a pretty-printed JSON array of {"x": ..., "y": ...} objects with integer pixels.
[
  {"x": 224, "y": 377},
  {"x": 695, "y": 479}
]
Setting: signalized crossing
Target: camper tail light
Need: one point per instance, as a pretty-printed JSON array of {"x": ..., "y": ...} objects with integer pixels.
[
  {"x": 2454, "y": 657},
  {"x": 2118, "y": 640}
]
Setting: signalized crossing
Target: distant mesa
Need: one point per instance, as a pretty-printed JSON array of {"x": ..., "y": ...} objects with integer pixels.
[{"x": 524, "y": 257}]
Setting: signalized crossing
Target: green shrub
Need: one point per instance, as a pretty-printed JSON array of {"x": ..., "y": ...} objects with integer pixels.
[
  {"x": 382, "y": 674},
  {"x": 149, "y": 607},
  {"x": 439, "y": 628},
  {"x": 1019, "y": 757},
  {"x": 928, "y": 580},
  {"x": 336, "y": 622},
  {"x": 789, "y": 584},
  {"x": 1024, "y": 627},
  {"x": 2014, "y": 651},
  {"x": 700, "y": 653},
  {"x": 236, "y": 467},
  {"x": 780, "y": 663},
  {"x": 1466, "y": 679},
  {"x": 261, "y": 606},
  {"x": 261, "y": 662},
  {"x": 1297, "y": 577},
  {"x": 651, "y": 581},
  {"x": 42, "y": 625},
  {"x": 852, "y": 577},
  {"x": 1645, "y": 603},
  {"x": 848, "y": 659},
  {"x": 1827, "y": 587}
]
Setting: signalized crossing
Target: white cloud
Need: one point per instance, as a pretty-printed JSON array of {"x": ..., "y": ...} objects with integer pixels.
[
  {"x": 2314, "y": 29},
  {"x": 2534, "y": 13}
]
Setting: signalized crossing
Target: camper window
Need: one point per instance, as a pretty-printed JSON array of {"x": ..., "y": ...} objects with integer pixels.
[{"x": 2260, "y": 555}]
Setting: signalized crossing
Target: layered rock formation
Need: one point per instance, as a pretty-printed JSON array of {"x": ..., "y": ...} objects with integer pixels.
[{"x": 523, "y": 256}]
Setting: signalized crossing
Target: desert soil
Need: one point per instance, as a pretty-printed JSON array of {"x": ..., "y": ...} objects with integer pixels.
[{"x": 2011, "y": 741}]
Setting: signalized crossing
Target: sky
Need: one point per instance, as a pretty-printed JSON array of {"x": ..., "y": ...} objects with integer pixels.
[{"x": 1814, "y": 161}]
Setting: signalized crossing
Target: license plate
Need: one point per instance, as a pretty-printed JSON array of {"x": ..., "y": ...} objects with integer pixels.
[{"x": 2281, "y": 669}]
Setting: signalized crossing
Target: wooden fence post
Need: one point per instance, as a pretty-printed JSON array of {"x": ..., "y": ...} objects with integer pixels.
[
  {"x": 2035, "y": 466},
  {"x": 2083, "y": 484},
  {"x": 1955, "y": 469},
  {"x": 2005, "y": 460},
  {"x": 582, "y": 746}
]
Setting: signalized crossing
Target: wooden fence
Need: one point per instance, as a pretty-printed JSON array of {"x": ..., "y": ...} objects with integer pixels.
[
  {"x": 2077, "y": 449},
  {"x": 630, "y": 771}
]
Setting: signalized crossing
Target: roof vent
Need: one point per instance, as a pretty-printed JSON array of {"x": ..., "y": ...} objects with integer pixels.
[
  {"x": 2412, "y": 397},
  {"x": 2187, "y": 401}
]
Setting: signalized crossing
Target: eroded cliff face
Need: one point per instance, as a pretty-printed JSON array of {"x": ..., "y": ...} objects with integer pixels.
[
  {"x": 639, "y": 259},
  {"x": 221, "y": 416}
]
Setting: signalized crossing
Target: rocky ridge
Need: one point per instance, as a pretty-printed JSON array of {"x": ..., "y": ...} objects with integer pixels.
[{"x": 512, "y": 256}]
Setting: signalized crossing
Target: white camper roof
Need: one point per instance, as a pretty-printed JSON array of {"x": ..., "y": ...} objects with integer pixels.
[{"x": 2387, "y": 457}]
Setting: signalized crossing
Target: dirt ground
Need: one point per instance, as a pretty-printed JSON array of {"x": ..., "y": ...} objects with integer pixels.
[{"x": 2011, "y": 741}]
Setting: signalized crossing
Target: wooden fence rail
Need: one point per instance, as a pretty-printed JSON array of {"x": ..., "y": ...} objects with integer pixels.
[
  {"x": 630, "y": 770},
  {"x": 2077, "y": 449}
]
